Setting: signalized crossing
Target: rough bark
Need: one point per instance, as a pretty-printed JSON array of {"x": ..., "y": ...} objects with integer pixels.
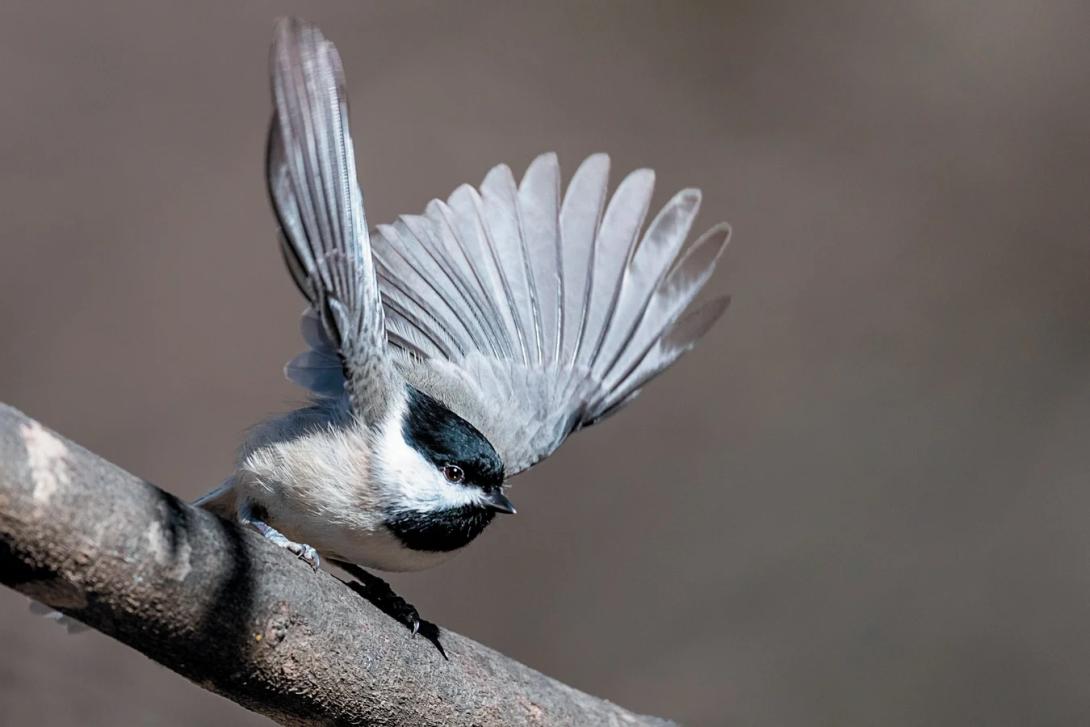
[{"x": 236, "y": 615}]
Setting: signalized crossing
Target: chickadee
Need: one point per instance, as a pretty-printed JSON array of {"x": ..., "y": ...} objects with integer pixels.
[{"x": 451, "y": 350}]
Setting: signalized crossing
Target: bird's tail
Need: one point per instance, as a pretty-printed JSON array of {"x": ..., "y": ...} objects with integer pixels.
[
  {"x": 73, "y": 626},
  {"x": 222, "y": 501}
]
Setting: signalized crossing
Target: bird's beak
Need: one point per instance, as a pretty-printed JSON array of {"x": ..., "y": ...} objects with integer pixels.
[{"x": 496, "y": 501}]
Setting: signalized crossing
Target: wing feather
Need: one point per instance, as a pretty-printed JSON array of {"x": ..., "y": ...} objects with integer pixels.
[
  {"x": 407, "y": 289},
  {"x": 312, "y": 182},
  {"x": 529, "y": 312},
  {"x": 446, "y": 221},
  {"x": 672, "y": 296},
  {"x": 465, "y": 204},
  {"x": 580, "y": 215},
  {"x": 498, "y": 204},
  {"x": 663, "y": 240},
  {"x": 573, "y": 311},
  {"x": 445, "y": 253},
  {"x": 675, "y": 341},
  {"x": 614, "y": 246},
  {"x": 538, "y": 205}
]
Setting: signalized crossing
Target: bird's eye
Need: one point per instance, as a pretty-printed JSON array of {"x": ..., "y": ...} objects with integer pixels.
[{"x": 454, "y": 473}]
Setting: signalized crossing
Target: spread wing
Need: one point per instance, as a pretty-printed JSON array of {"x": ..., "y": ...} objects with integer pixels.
[
  {"x": 313, "y": 185},
  {"x": 533, "y": 315}
]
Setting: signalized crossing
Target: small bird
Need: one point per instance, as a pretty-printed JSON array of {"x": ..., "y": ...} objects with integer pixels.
[{"x": 451, "y": 350}]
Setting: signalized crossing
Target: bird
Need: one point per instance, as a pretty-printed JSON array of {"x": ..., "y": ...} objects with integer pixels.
[{"x": 450, "y": 350}]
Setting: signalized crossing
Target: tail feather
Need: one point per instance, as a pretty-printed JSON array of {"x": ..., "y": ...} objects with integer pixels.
[
  {"x": 221, "y": 501},
  {"x": 72, "y": 625}
]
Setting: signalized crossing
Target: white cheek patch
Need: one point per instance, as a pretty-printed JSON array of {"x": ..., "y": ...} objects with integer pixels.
[{"x": 409, "y": 481}]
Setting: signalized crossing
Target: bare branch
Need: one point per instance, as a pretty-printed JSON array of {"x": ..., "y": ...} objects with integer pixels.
[{"x": 236, "y": 615}]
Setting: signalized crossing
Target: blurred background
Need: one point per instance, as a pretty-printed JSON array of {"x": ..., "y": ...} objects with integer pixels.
[{"x": 863, "y": 500}]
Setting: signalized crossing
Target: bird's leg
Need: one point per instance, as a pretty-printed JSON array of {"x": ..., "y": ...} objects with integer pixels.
[
  {"x": 382, "y": 597},
  {"x": 379, "y": 593},
  {"x": 249, "y": 515}
]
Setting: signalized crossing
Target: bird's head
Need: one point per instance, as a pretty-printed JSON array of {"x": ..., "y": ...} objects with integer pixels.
[{"x": 440, "y": 480}]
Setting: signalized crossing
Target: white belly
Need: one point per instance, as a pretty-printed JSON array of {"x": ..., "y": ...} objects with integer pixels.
[{"x": 317, "y": 489}]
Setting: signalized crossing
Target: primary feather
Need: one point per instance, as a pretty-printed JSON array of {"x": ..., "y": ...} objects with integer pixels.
[{"x": 312, "y": 182}]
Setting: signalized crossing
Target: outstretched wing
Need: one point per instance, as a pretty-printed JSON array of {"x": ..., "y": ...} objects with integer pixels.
[
  {"x": 533, "y": 315},
  {"x": 312, "y": 182}
]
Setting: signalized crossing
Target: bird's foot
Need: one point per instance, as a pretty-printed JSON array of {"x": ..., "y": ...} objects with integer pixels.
[
  {"x": 382, "y": 597},
  {"x": 248, "y": 515},
  {"x": 305, "y": 553}
]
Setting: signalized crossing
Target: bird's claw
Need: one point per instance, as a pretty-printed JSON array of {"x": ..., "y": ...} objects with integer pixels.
[
  {"x": 380, "y": 595},
  {"x": 400, "y": 610},
  {"x": 307, "y": 554},
  {"x": 251, "y": 515}
]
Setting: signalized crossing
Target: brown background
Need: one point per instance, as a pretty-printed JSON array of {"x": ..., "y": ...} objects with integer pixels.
[{"x": 863, "y": 501}]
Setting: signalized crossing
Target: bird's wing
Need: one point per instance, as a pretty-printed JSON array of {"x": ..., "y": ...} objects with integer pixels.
[
  {"x": 535, "y": 314},
  {"x": 312, "y": 182}
]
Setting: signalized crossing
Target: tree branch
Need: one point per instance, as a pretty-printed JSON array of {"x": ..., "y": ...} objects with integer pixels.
[{"x": 237, "y": 615}]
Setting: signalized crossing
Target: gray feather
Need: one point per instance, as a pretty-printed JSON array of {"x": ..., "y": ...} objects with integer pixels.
[
  {"x": 580, "y": 216},
  {"x": 442, "y": 262},
  {"x": 466, "y": 221},
  {"x": 426, "y": 281},
  {"x": 539, "y": 216},
  {"x": 680, "y": 338},
  {"x": 503, "y": 231},
  {"x": 615, "y": 243},
  {"x": 652, "y": 259},
  {"x": 529, "y": 316},
  {"x": 405, "y": 295},
  {"x": 471, "y": 280},
  {"x": 70, "y": 624},
  {"x": 313, "y": 185},
  {"x": 536, "y": 318},
  {"x": 672, "y": 296},
  {"x": 322, "y": 375}
]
